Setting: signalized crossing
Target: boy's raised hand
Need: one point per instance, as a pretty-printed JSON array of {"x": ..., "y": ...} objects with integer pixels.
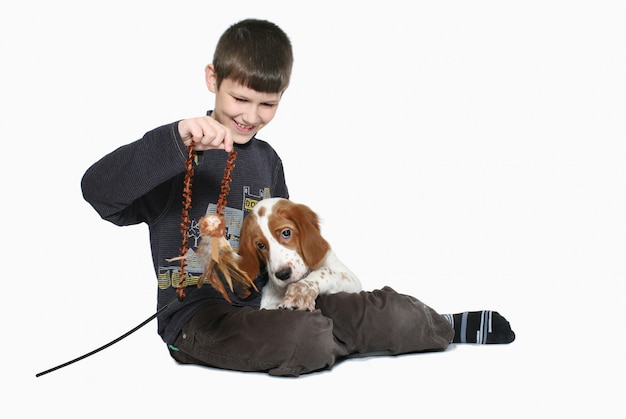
[{"x": 205, "y": 133}]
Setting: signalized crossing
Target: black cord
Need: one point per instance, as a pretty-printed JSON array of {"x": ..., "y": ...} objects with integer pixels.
[{"x": 148, "y": 320}]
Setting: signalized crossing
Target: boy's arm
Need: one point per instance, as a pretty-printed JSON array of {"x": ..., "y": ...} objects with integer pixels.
[{"x": 124, "y": 186}]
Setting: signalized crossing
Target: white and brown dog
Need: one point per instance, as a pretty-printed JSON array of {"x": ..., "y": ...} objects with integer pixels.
[{"x": 285, "y": 238}]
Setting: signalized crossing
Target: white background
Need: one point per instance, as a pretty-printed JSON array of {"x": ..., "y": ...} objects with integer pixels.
[{"x": 468, "y": 153}]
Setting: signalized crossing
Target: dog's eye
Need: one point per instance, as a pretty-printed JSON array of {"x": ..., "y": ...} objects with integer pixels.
[
  {"x": 285, "y": 234},
  {"x": 261, "y": 246}
]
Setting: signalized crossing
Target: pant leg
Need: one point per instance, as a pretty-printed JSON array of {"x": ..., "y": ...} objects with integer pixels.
[
  {"x": 280, "y": 342},
  {"x": 383, "y": 321}
]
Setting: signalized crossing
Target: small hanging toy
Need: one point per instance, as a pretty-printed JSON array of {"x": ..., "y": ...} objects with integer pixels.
[{"x": 221, "y": 262}]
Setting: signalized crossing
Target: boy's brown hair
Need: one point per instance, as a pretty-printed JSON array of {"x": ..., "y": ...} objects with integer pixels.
[{"x": 255, "y": 53}]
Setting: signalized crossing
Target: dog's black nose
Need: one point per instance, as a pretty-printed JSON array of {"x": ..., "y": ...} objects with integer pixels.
[{"x": 283, "y": 274}]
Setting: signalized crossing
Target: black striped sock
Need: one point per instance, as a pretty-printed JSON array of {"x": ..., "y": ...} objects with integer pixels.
[{"x": 480, "y": 327}]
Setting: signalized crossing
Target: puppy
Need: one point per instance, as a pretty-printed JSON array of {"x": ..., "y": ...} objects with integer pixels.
[{"x": 284, "y": 237}]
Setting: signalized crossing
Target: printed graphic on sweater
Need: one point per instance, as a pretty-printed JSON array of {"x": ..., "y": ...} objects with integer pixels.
[{"x": 169, "y": 276}]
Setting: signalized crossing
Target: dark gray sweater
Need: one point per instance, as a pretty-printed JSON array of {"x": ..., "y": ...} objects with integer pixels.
[{"x": 142, "y": 182}]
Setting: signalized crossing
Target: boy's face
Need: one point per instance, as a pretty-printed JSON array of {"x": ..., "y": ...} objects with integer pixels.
[{"x": 240, "y": 109}]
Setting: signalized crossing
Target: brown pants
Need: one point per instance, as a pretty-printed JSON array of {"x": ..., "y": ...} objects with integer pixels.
[{"x": 290, "y": 343}]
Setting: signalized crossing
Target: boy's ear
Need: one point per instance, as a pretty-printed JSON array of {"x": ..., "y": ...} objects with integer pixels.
[{"x": 210, "y": 77}]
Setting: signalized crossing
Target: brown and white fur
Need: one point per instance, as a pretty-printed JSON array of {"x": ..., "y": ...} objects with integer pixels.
[{"x": 285, "y": 237}]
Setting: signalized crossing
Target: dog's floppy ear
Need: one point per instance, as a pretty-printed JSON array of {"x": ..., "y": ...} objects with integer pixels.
[
  {"x": 248, "y": 250},
  {"x": 313, "y": 247}
]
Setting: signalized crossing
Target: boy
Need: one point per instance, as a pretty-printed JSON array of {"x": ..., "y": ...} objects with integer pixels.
[{"x": 143, "y": 182}]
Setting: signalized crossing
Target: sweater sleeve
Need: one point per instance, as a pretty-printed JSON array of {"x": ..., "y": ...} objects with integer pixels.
[{"x": 131, "y": 184}]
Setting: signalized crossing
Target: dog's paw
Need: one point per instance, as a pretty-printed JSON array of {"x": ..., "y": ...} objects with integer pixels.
[
  {"x": 300, "y": 296},
  {"x": 293, "y": 307}
]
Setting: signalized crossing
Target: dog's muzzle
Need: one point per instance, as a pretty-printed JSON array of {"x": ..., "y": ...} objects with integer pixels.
[{"x": 283, "y": 274}]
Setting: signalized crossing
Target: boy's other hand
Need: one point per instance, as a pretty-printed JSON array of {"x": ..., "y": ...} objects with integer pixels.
[{"x": 205, "y": 133}]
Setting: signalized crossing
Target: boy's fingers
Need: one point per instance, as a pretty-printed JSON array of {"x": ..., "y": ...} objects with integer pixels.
[
  {"x": 205, "y": 133},
  {"x": 228, "y": 142}
]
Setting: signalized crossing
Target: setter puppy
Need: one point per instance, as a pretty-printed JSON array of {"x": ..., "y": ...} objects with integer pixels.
[{"x": 284, "y": 238}]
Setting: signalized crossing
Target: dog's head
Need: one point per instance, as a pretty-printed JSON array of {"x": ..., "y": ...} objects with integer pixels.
[{"x": 284, "y": 237}]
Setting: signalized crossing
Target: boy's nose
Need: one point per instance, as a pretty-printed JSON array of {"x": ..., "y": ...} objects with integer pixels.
[
  {"x": 252, "y": 112},
  {"x": 250, "y": 117}
]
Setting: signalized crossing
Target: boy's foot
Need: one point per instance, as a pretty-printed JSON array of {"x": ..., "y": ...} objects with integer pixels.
[{"x": 481, "y": 327}]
